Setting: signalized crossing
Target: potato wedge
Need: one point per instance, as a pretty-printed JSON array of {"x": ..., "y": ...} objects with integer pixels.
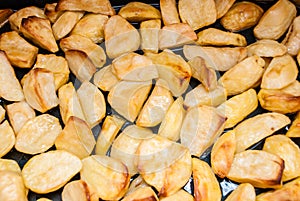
[
  {"x": 292, "y": 39},
  {"x": 39, "y": 31},
  {"x": 120, "y": 37},
  {"x": 169, "y": 12},
  {"x": 157, "y": 105},
  {"x": 127, "y": 98},
  {"x": 266, "y": 48},
  {"x": 281, "y": 72},
  {"x": 65, "y": 23},
  {"x": 259, "y": 168},
  {"x": 178, "y": 196},
  {"x": 138, "y": 12},
  {"x": 78, "y": 190},
  {"x": 219, "y": 58},
  {"x": 7, "y": 138},
  {"x": 217, "y": 37},
  {"x": 276, "y": 20},
  {"x": 200, "y": 128},
  {"x": 51, "y": 12},
  {"x": 50, "y": 171},
  {"x": 149, "y": 31},
  {"x": 286, "y": 149},
  {"x": 12, "y": 186},
  {"x": 256, "y": 128},
  {"x": 38, "y": 134},
  {"x": 222, "y": 6},
  {"x": 39, "y": 89},
  {"x": 175, "y": 35},
  {"x": 222, "y": 153},
  {"x": 4, "y": 15},
  {"x": 242, "y": 15},
  {"x": 57, "y": 65},
  {"x": 9, "y": 165},
  {"x": 243, "y": 75},
  {"x": 197, "y": 14},
  {"x": 135, "y": 184},
  {"x": 238, "y": 107},
  {"x": 91, "y": 26},
  {"x": 2, "y": 114},
  {"x": 244, "y": 192},
  {"x": 19, "y": 52},
  {"x": 10, "y": 88},
  {"x": 81, "y": 43},
  {"x": 206, "y": 186},
  {"x": 105, "y": 79},
  {"x": 107, "y": 177},
  {"x": 142, "y": 193},
  {"x": 294, "y": 130}
]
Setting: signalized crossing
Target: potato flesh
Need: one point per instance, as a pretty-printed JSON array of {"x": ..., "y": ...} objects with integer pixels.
[
  {"x": 244, "y": 192},
  {"x": 178, "y": 196},
  {"x": 149, "y": 31},
  {"x": 77, "y": 191},
  {"x": 12, "y": 186},
  {"x": 105, "y": 79},
  {"x": 266, "y": 48},
  {"x": 222, "y": 7},
  {"x": 7, "y": 138},
  {"x": 169, "y": 12},
  {"x": 9, "y": 165},
  {"x": 294, "y": 130},
  {"x": 142, "y": 193},
  {"x": 51, "y": 13},
  {"x": 2, "y": 113},
  {"x": 292, "y": 39}
]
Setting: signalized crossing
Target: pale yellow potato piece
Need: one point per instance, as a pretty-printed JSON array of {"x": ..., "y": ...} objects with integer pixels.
[
  {"x": 9, "y": 165},
  {"x": 94, "y": 6},
  {"x": 10, "y": 88},
  {"x": 19, "y": 113},
  {"x": 105, "y": 79},
  {"x": 76, "y": 138},
  {"x": 172, "y": 121},
  {"x": 91, "y": 26},
  {"x": 19, "y": 52},
  {"x": 51, "y": 12},
  {"x": 58, "y": 65},
  {"x": 238, "y": 107},
  {"x": 178, "y": 196},
  {"x": 143, "y": 194},
  {"x": 242, "y": 15},
  {"x": 216, "y": 37},
  {"x": 78, "y": 191},
  {"x": 86, "y": 45},
  {"x": 173, "y": 69},
  {"x": 200, "y": 128},
  {"x": 107, "y": 177},
  {"x": 15, "y": 19},
  {"x": 7, "y": 138},
  {"x": 200, "y": 96},
  {"x": 120, "y": 37},
  {"x": 138, "y": 12},
  {"x": 108, "y": 132},
  {"x": 149, "y": 31},
  {"x": 169, "y": 12},
  {"x": 69, "y": 104},
  {"x": 281, "y": 72},
  {"x": 127, "y": 98},
  {"x": 65, "y": 23},
  {"x": 266, "y": 48},
  {"x": 135, "y": 184},
  {"x": 244, "y": 192},
  {"x": 222, "y": 153},
  {"x": 175, "y": 35},
  {"x": 289, "y": 191},
  {"x": 12, "y": 186},
  {"x": 259, "y": 168},
  {"x": 39, "y": 31},
  {"x": 222, "y": 6},
  {"x": 47, "y": 172},
  {"x": 294, "y": 130},
  {"x": 276, "y": 20},
  {"x": 256, "y": 128},
  {"x": 206, "y": 186},
  {"x": 292, "y": 40},
  {"x": 43, "y": 199},
  {"x": 39, "y": 89},
  {"x": 164, "y": 164},
  {"x": 243, "y": 75},
  {"x": 38, "y": 134},
  {"x": 2, "y": 114},
  {"x": 197, "y": 14},
  {"x": 286, "y": 149},
  {"x": 157, "y": 105},
  {"x": 134, "y": 67},
  {"x": 219, "y": 58},
  {"x": 92, "y": 103}
]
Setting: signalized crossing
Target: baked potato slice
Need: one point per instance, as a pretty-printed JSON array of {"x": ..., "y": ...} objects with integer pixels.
[
  {"x": 105, "y": 79},
  {"x": 294, "y": 130},
  {"x": 4, "y": 15},
  {"x": 136, "y": 183},
  {"x": 7, "y": 138},
  {"x": 2, "y": 114},
  {"x": 149, "y": 31},
  {"x": 78, "y": 190},
  {"x": 142, "y": 194},
  {"x": 292, "y": 39},
  {"x": 169, "y": 12},
  {"x": 222, "y": 7},
  {"x": 266, "y": 48},
  {"x": 178, "y": 196},
  {"x": 51, "y": 12},
  {"x": 12, "y": 186},
  {"x": 244, "y": 192},
  {"x": 9, "y": 165}
]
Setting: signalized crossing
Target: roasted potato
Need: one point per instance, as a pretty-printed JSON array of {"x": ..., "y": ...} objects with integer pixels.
[
  {"x": 51, "y": 12},
  {"x": 292, "y": 39},
  {"x": 222, "y": 7},
  {"x": 105, "y": 79},
  {"x": 169, "y": 12},
  {"x": 2, "y": 113},
  {"x": 78, "y": 190},
  {"x": 178, "y": 196},
  {"x": 4, "y": 15},
  {"x": 294, "y": 128},
  {"x": 266, "y": 48},
  {"x": 9, "y": 165},
  {"x": 7, "y": 138},
  {"x": 142, "y": 193},
  {"x": 136, "y": 183},
  {"x": 244, "y": 192},
  {"x": 149, "y": 31}
]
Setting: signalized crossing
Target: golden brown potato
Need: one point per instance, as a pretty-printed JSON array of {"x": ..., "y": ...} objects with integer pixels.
[
  {"x": 78, "y": 191},
  {"x": 10, "y": 165},
  {"x": 20, "y": 53},
  {"x": 197, "y": 14},
  {"x": 222, "y": 153},
  {"x": 51, "y": 12},
  {"x": 47, "y": 172},
  {"x": 149, "y": 31},
  {"x": 105, "y": 79},
  {"x": 243, "y": 75},
  {"x": 39, "y": 89},
  {"x": 120, "y": 37},
  {"x": 7, "y": 138},
  {"x": 276, "y": 20},
  {"x": 256, "y": 128},
  {"x": 259, "y": 168},
  {"x": 242, "y": 15},
  {"x": 39, "y": 31},
  {"x": 142, "y": 194},
  {"x": 94, "y": 6},
  {"x": 65, "y": 23},
  {"x": 4, "y": 15},
  {"x": 138, "y": 12},
  {"x": 222, "y": 6},
  {"x": 266, "y": 48},
  {"x": 292, "y": 39},
  {"x": 2, "y": 114},
  {"x": 12, "y": 186},
  {"x": 38, "y": 134},
  {"x": 219, "y": 58},
  {"x": 200, "y": 128},
  {"x": 294, "y": 130},
  {"x": 169, "y": 12},
  {"x": 216, "y": 37},
  {"x": 178, "y": 196},
  {"x": 206, "y": 186},
  {"x": 244, "y": 192},
  {"x": 91, "y": 26}
]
